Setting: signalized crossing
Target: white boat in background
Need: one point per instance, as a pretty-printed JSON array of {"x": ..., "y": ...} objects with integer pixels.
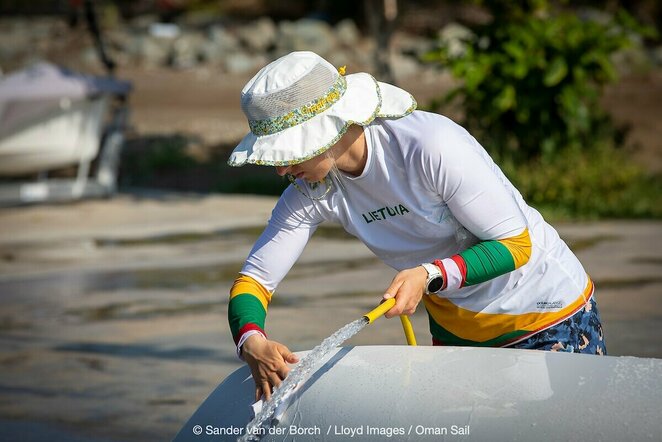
[
  {"x": 52, "y": 118},
  {"x": 424, "y": 393},
  {"x": 65, "y": 136}
]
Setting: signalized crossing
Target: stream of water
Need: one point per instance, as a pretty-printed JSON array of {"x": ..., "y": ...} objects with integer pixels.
[{"x": 262, "y": 421}]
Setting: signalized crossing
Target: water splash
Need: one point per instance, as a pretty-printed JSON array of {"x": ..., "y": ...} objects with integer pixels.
[{"x": 257, "y": 428}]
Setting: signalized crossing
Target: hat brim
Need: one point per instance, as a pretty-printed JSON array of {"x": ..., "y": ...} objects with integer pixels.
[
  {"x": 361, "y": 103},
  {"x": 396, "y": 102}
]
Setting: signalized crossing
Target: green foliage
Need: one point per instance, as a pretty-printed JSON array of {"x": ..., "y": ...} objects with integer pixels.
[
  {"x": 596, "y": 183},
  {"x": 530, "y": 84},
  {"x": 262, "y": 181},
  {"x": 144, "y": 158},
  {"x": 531, "y": 79}
]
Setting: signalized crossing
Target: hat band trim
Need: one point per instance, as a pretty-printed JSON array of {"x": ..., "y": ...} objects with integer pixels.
[{"x": 302, "y": 114}]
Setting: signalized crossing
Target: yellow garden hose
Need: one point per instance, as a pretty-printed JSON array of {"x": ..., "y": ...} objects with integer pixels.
[
  {"x": 409, "y": 330},
  {"x": 406, "y": 324}
]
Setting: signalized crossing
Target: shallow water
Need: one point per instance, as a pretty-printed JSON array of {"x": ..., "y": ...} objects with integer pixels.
[{"x": 254, "y": 429}]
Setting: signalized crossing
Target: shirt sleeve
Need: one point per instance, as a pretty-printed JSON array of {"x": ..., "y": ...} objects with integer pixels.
[
  {"x": 292, "y": 223},
  {"x": 483, "y": 201}
]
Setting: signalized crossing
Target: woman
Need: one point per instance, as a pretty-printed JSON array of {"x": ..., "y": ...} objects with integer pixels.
[{"x": 423, "y": 195}]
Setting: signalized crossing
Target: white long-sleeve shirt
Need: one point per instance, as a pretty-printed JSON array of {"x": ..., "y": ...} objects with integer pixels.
[{"x": 430, "y": 191}]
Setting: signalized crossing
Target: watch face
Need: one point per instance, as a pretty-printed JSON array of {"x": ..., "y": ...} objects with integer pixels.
[{"x": 436, "y": 284}]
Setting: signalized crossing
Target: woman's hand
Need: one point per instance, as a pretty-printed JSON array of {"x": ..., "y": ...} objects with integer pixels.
[
  {"x": 407, "y": 288},
  {"x": 268, "y": 363}
]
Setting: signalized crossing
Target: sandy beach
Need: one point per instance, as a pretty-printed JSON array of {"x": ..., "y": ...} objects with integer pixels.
[{"x": 114, "y": 324}]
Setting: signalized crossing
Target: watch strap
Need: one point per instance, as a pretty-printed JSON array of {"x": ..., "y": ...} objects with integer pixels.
[
  {"x": 439, "y": 263},
  {"x": 432, "y": 269}
]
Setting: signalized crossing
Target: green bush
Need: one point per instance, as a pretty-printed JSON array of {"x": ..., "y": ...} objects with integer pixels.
[
  {"x": 530, "y": 79},
  {"x": 587, "y": 184}
]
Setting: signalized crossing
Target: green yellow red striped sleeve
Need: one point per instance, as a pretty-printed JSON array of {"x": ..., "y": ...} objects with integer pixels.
[
  {"x": 487, "y": 260},
  {"x": 248, "y": 306}
]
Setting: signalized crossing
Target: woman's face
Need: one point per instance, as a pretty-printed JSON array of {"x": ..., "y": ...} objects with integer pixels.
[
  {"x": 348, "y": 154},
  {"x": 312, "y": 170}
]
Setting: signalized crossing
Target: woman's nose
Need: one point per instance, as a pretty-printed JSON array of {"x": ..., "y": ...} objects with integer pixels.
[{"x": 282, "y": 170}]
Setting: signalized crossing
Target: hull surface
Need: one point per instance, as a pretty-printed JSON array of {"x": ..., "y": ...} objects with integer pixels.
[
  {"x": 402, "y": 393},
  {"x": 66, "y": 137}
]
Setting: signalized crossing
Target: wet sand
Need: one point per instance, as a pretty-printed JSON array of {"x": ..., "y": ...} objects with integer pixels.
[{"x": 113, "y": 325}]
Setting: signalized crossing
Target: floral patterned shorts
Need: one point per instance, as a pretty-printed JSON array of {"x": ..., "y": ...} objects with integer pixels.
[{"x": 581, "y": 333}]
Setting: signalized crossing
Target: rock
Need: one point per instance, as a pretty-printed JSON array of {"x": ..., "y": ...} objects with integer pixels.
[
  {"x": 403, "y": 66},
  {"x": 186, "y": 50},
  {"x": 164, "y": 30},
  {"x": 363, "y": 56},
  {"x": 243, "y": 63},
  {"x": 595, "y": 15},
  {"x": 16, "y": 40},
  {"x": 455, "y": 37},
  {"x": 40, "y": 28},
  {"x": 152, "y": 51},
  {"x": 118, "y": 38},
  {"x": 211, "y": 53},
  {"x": 89, "y": 57},
  {"x": 219, "y": 36},
  {"x": 341, "y": 57},
  {"x": 633, "y": 59},
  {"x": 455, "y": 31},
  {"x": 656, "y": 55},
  {"x": 198, "y": 19},
  {"x": 218, "y": 44},
  {"x": 259, "y": 35},
  {"x": 411, "y": 45},
  {"x": 142, "y": 23},
  {"x": 347, "y": 33},
  {"x": 9, "y": 52},
  {"x": 118, "y": 42},
  {"x": 131, "y": 45},
  {"x": 305, "y": 35}
]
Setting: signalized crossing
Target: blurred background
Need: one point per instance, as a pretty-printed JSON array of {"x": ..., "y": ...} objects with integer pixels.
[{"x": 122, "y": 227}]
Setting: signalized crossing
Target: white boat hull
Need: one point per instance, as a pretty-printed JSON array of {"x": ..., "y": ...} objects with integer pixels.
[
  {"x": 402, "y": 393},
  {"x": 69, "y": 136}
]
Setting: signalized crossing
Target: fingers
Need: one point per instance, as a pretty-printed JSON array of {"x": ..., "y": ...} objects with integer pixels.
[
  {"x": 275, "y": 380},
  {"x": 409, "y": 310},
  {"x": 287, "y": 355},
  {"x": 268, "y": 385},
  {"x": 403, "y": 306},
  {"x": 408, "y": 305},
  {"x": 392, "y": 289},
  {"x": 270, "y": 368},
  {"x": 282, "y": 372},
  {"x": 407, "y": 289},
  {"x": 266, "y": 390},
  {"x": 392, "y": 292}
]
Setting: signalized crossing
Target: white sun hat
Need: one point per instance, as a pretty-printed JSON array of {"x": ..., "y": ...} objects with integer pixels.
[{"x": 299, "y": 105}]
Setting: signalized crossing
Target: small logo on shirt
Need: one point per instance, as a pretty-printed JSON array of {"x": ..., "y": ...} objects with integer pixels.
[
  {"x": 384, "y": 212},
  {"x": 549, "y": 305}
]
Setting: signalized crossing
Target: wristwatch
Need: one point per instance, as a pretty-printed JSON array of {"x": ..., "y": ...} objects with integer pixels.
[{"x": 435, "y": 281}]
